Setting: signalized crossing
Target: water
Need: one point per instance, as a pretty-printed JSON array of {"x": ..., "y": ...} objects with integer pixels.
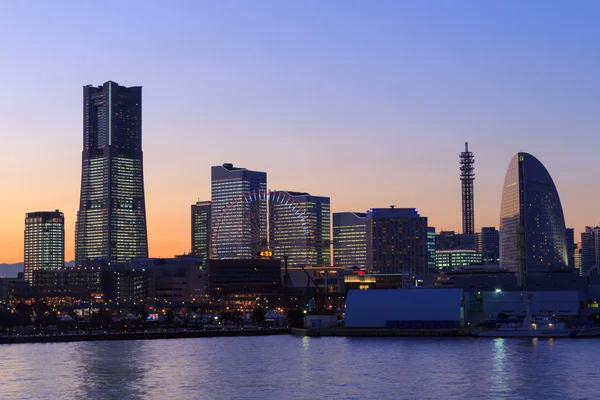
[{"x": 287, "y": 367}]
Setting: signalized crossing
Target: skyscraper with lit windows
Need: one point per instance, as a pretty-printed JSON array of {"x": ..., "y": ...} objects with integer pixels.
[
  {"x": 238, "y": 211},
  {"x": 111, "y": 222},
  {"x": 302, "y": 232},
  {"x": 350, "y": 239},
  {"x": 44, "y": 241},
  {"x": 201, "y": 229},
  {"x": 532, "y": 225}
]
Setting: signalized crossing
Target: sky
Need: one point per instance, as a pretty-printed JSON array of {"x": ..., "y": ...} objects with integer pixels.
[{"x": 367, "y": 102}]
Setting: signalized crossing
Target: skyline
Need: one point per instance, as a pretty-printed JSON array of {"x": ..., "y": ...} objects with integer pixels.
[{"x": 219, "y": 81}]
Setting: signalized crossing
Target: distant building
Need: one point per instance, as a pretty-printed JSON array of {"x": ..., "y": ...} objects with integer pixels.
[
  {"x": 201, "y": 229},
  {"x": 577, "y": 256},
  {"x": 111, "y": 222},
  {"x": 397, "y": 241},
  {"x": 238, "y": 212},
  {"x": 447, "y": 260},
  {"x": 531, "y": 219},
  {"x": 302, "y": 233},
  {"x": 431, "y": 249},
  {"x": 570, "y": 233},
  {"x": 590, "y": 248},
  {"x": 488, "y": 243},
  {"x": 44, "y": 241},
  {"x": 446, "y": 240},
  {"x": 350, "y": 239}
]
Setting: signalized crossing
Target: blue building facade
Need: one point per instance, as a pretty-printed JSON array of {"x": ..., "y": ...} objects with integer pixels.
[{"x": 531, "y": 209}]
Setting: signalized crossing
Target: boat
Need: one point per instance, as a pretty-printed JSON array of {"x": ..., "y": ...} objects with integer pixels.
[{"x": 536, "y": 326}]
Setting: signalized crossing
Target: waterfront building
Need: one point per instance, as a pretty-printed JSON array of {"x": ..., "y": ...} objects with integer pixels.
[
  {"x": 359, "y": 280},
  {"x": 447, "y": 260},
  {"x": 431, "y": 249},
  {"x": 201, "y": 229},
  {"x": 111, "y": 222},
  {"x": 350, "y": 239},
  {"x": 488, "y": 243},
  {"x": 315, "y": 282},
  {"x": 397, "y": 241},
  {"x": 178, "y": 279},
  {"x": 570, "y": 235},
  {"x": 238, "y": 212},
  {"x": 240, "y": 283},
  {"x": 44, "y": 241},
  {"x": 532, "y": 224},
  {"x": 590, "y": 248},
  {"x": 302, "y": 232}
]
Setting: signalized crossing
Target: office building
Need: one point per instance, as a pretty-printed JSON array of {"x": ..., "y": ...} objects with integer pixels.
[
  {"x": 577, "y": 256},
  {"x": 488, "y": 244},
  {"x": 240, "y": 284},
  {"x": 570, "y": 235},
  {"x": 238, "y": 212},
  {"x": 397, "y": 241},
  {"x": 201, "y": 229},
  {"x": 590, "y": 248},
  {"x": 532, "y": 224},
  {"x": 300, "y": 228},
  {"x": 350, "y": 239},
  {"x": 447, "y": 260},
  {"x": 431, "y": 249},
  {"x": 111, "y": 222},
  {"x": 44, "y": 241}
]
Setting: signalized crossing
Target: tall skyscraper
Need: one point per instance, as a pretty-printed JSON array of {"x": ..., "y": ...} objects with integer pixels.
[
  {"x": 578, "y": 257},
  {"x": 111, "y": 222},
  {"x": 238, "y": 212},
  {"x": 44, "y": 241},
  {"x": 467, "y": 176},
  {"x": 201, "y": 231},
  {"x": 532, "y": 224},
  {"x": 350, "y": 239},
  {"x": 431, "y": 249},
  {"x": 397, "y": 241},
  {"x": 570, "y": 235},
  {"x": 288, "y": 230},
  {"x": 590, "y": 248},
  {"x": 488, "y": 244}
]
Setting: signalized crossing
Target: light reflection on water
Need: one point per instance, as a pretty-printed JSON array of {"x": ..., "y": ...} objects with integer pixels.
[{"x": 286, "y": 367}]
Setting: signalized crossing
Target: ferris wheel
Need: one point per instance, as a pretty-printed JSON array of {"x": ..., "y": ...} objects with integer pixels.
[{"x": 263, "y": 223}]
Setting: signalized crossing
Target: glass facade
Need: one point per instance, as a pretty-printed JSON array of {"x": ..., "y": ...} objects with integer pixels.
[
  {"x": 350, "y": 239},
  {"x": 201, "y": 229},
  {"x": 300, "y": 228},
  {"x": 447, "y": 260},
  {"x": 111, "y": 222},
  {"x": 530, "y": 202},
  {"x": 238, "y": 212},
  {"x": 431, "y": 257},
  {"x": 44, "y": 242}
]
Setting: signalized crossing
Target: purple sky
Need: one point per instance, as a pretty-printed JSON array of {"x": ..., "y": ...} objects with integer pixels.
[{"x": 369, "y": 103}]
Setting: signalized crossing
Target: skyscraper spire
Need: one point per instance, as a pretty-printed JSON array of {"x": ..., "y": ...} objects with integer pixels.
[{"x": 467, "y": 176}]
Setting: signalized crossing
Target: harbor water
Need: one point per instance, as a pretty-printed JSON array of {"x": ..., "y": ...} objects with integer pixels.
[{"x": 288, "y": 367}]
